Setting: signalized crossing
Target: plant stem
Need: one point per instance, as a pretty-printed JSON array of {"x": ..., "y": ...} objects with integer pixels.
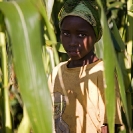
[{"x": 7, "y": 117}]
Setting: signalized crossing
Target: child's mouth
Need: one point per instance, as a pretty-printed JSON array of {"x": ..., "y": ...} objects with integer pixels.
[{"x": 73, "y": 53}]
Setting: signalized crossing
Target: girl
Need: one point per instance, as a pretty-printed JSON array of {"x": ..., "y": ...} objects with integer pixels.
[{"x": 81, "y": 77}]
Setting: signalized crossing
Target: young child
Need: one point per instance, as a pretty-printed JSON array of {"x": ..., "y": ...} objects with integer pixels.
[{"x": 81, "y": 77}]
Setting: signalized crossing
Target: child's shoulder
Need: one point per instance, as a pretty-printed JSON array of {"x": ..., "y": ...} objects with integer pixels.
[{"x": 99, "y": 65}]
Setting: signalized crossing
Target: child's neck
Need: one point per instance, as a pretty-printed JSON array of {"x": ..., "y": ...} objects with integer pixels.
[{"x": 88, "y": 59}]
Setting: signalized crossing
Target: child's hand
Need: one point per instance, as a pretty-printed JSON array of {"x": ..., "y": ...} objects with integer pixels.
[{"x": 104, "y": 129}]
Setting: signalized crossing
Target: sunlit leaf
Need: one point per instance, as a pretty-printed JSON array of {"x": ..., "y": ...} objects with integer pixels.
[
  {"x": 123, "y": 73},
  {"x": 24, "y": 126},
  {"x": 109, "y": 59},
  {"x": 110, "y": 62},
  {"x": 49, "y": 7},
  {"x": 24, "y": 29},
  {"x": 58, "y": 45},
  {"x": 49, "y": 29},
  {"x": 131, "y": 8},
  {"x": 116, "y": 5},
  {"x": 99, "y": 49},
  {"x": 7, "y": 126}
]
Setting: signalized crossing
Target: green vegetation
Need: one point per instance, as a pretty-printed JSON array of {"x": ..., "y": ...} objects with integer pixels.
[{"x": 30, "y": 47}]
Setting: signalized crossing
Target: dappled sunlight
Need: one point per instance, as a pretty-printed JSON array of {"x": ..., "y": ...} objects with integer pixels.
[{"x": 84, "y": 89}]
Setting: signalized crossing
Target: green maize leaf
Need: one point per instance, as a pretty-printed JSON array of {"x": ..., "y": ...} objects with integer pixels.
[
  {"x": 49, "y": 7},
  {"x": 2, "y": 120},
  {"x": 109, "y": 64},
  {"x": 122, "y": 92},
  {"x": 23, "y": 24},
  {"x": 99, "y": 49},
  {"x": 110, "y": 1},
  {"x": 60, "y": 48},
  {"x": 58, "y": 45},
  {"x": 116, "y": 5},
  {"x": 49, "y": 29},
  {"x": 116, "y": 45},
  {"x": 117, "y": 35},
  {"x": 6, "y": 125},
  {"x": 115, "y": 8},
  {"x": 131, "y": 8},
  {"x": 50, "y": 43},
  {"x": 122, "y": 70},
  {"x": 48, "y": 59},
  {"x": 24, "y": 126},
  {"x": 121, "y": 55}
]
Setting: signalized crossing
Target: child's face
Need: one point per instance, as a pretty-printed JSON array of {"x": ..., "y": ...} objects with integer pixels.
[{"x": 77, "y": 37}]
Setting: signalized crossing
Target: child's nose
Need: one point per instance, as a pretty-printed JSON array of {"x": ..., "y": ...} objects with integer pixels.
[{"x": 73, "y": 40}]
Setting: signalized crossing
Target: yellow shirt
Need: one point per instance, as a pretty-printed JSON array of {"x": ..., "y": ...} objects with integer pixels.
[{"x": 85, "y": 110}]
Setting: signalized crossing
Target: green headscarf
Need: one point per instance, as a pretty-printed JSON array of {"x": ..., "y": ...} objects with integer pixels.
[{"x": 86, "y": 9}]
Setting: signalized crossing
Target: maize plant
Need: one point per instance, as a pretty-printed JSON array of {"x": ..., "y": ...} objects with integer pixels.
[{"x": 30, "y": 47}]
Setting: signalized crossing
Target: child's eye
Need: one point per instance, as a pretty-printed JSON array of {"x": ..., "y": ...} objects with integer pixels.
[
  {"x": 82, "y": 35},
  {"x": 65, "y": 33}
]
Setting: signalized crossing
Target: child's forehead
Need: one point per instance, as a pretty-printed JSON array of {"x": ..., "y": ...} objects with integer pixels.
[{"x": 75, "y": 21}]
